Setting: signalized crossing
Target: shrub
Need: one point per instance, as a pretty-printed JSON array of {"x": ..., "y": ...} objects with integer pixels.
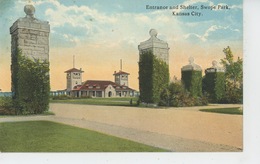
[
  {"x": 175, "y": 95},
  {"x": 6, "y": 106},
  {"x": 61, "y": 97}
]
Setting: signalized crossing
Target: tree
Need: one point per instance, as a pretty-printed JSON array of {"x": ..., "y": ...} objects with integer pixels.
[{"x": 234, "y": 77}]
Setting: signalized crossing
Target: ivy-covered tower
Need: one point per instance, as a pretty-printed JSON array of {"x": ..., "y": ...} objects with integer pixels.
[
  {"x": 214, "y": 82},
  {"x": 30, "y": 63},
  {"x": 191, "y": 76},
  {"x": 30, "y": 36},
  {"x": 153, "y": 68}
]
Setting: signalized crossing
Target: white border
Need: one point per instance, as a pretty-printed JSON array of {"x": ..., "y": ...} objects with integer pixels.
[{"x": 251, "y": 153}]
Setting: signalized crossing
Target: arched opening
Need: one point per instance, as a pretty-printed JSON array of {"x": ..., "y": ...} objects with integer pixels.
[{"x": 109, "y": 94}]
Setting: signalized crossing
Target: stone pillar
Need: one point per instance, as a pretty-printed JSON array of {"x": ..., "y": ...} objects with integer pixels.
[
  {"x": 158, "y": 47},
  {"x": 214, "y": 83},
  {"x": 31, "y": 36},
  {"x": 153, "y": 68},
  {"x": 191, "y": 76}
]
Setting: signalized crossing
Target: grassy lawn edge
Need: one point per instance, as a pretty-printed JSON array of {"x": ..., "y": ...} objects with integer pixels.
[
  {"x": 48, "y": 136},
  {"x": 234, "y": 111}
]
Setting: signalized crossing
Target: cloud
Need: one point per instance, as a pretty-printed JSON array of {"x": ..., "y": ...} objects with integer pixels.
[
  {"x": 78, "y": 25},
  {"x": 214, "y": 32},
  {"x": 84, "y": 24}
]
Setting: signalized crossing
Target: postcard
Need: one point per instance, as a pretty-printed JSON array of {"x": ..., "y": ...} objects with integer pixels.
[{"x": 139, "y": 76}]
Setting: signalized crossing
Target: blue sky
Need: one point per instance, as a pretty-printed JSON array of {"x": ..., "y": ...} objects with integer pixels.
[{"x": 116, "y": 27}]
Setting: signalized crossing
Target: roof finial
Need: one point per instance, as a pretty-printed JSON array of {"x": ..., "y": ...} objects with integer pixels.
[
  {"x": 29, "y": 10},
  {"x": 191, "y": 60},
  {"x": 153, "y": 33}
]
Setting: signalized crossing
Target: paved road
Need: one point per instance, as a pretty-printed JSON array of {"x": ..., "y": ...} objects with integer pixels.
[{"x": 174, "y": 129}]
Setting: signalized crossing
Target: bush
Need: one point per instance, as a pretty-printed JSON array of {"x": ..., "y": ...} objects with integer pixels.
[
  {"x": 6, "y": 106},
  {"x": 175, "y": 95},
  {"x": 61, "y": 97}
]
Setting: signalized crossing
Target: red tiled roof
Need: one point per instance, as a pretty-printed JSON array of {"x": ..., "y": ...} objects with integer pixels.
[
  {"x": 73, "y": 70},
  {"x": 93, "y": 85},
  {"x": 120, "y": 73}
]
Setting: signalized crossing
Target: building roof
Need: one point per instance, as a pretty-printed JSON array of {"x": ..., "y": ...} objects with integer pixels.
[
  {"x": 97, "y": 85},
  {"x": 120, "y": 73},
  {"x": 74, "y": 70}
]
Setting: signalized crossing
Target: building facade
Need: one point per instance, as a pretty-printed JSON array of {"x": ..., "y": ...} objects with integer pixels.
[
  {"x": 101, "y": 88},
  {"x": 96, "y": 88}
]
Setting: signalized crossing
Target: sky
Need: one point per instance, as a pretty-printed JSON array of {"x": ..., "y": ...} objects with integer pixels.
[{"x": 100, "y": 33}]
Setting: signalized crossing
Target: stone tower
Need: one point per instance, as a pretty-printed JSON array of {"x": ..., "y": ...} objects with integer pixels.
[
  {"x": 30, "y": 35},
  {"x": 158, "y": 47},
  {"x": 74, "y": 78},
  {"x": 191, "y": 76},
  {"x": 121, "y": 78},
  {"x": 214, "y": 83}
]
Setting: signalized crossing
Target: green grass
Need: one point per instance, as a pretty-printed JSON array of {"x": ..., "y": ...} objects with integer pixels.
[
  {"x": 45, "y": 136},
  {"x": 224, "y": 110},
  {"x": 100, "y": 101}
]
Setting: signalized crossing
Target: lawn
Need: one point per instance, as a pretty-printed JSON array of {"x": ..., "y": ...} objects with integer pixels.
[
  {"x": 45, "y": 136},
  {"x": 122, "y": 101},
  {"x": 224, "y": 110}
]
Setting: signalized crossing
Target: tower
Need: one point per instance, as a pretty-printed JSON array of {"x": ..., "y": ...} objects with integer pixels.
[
  {"x": 158, "y": 47},
  {"x": 74, "y": 78},
  {"x": 153, "y": 68},
  {"x": 214, "y": 83},
  {"x": 30, "y": 62},
  {"x": 30, "y": 36},
  {"x": 121, "y": 78},
  {"x": 191, "y": 76}
]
